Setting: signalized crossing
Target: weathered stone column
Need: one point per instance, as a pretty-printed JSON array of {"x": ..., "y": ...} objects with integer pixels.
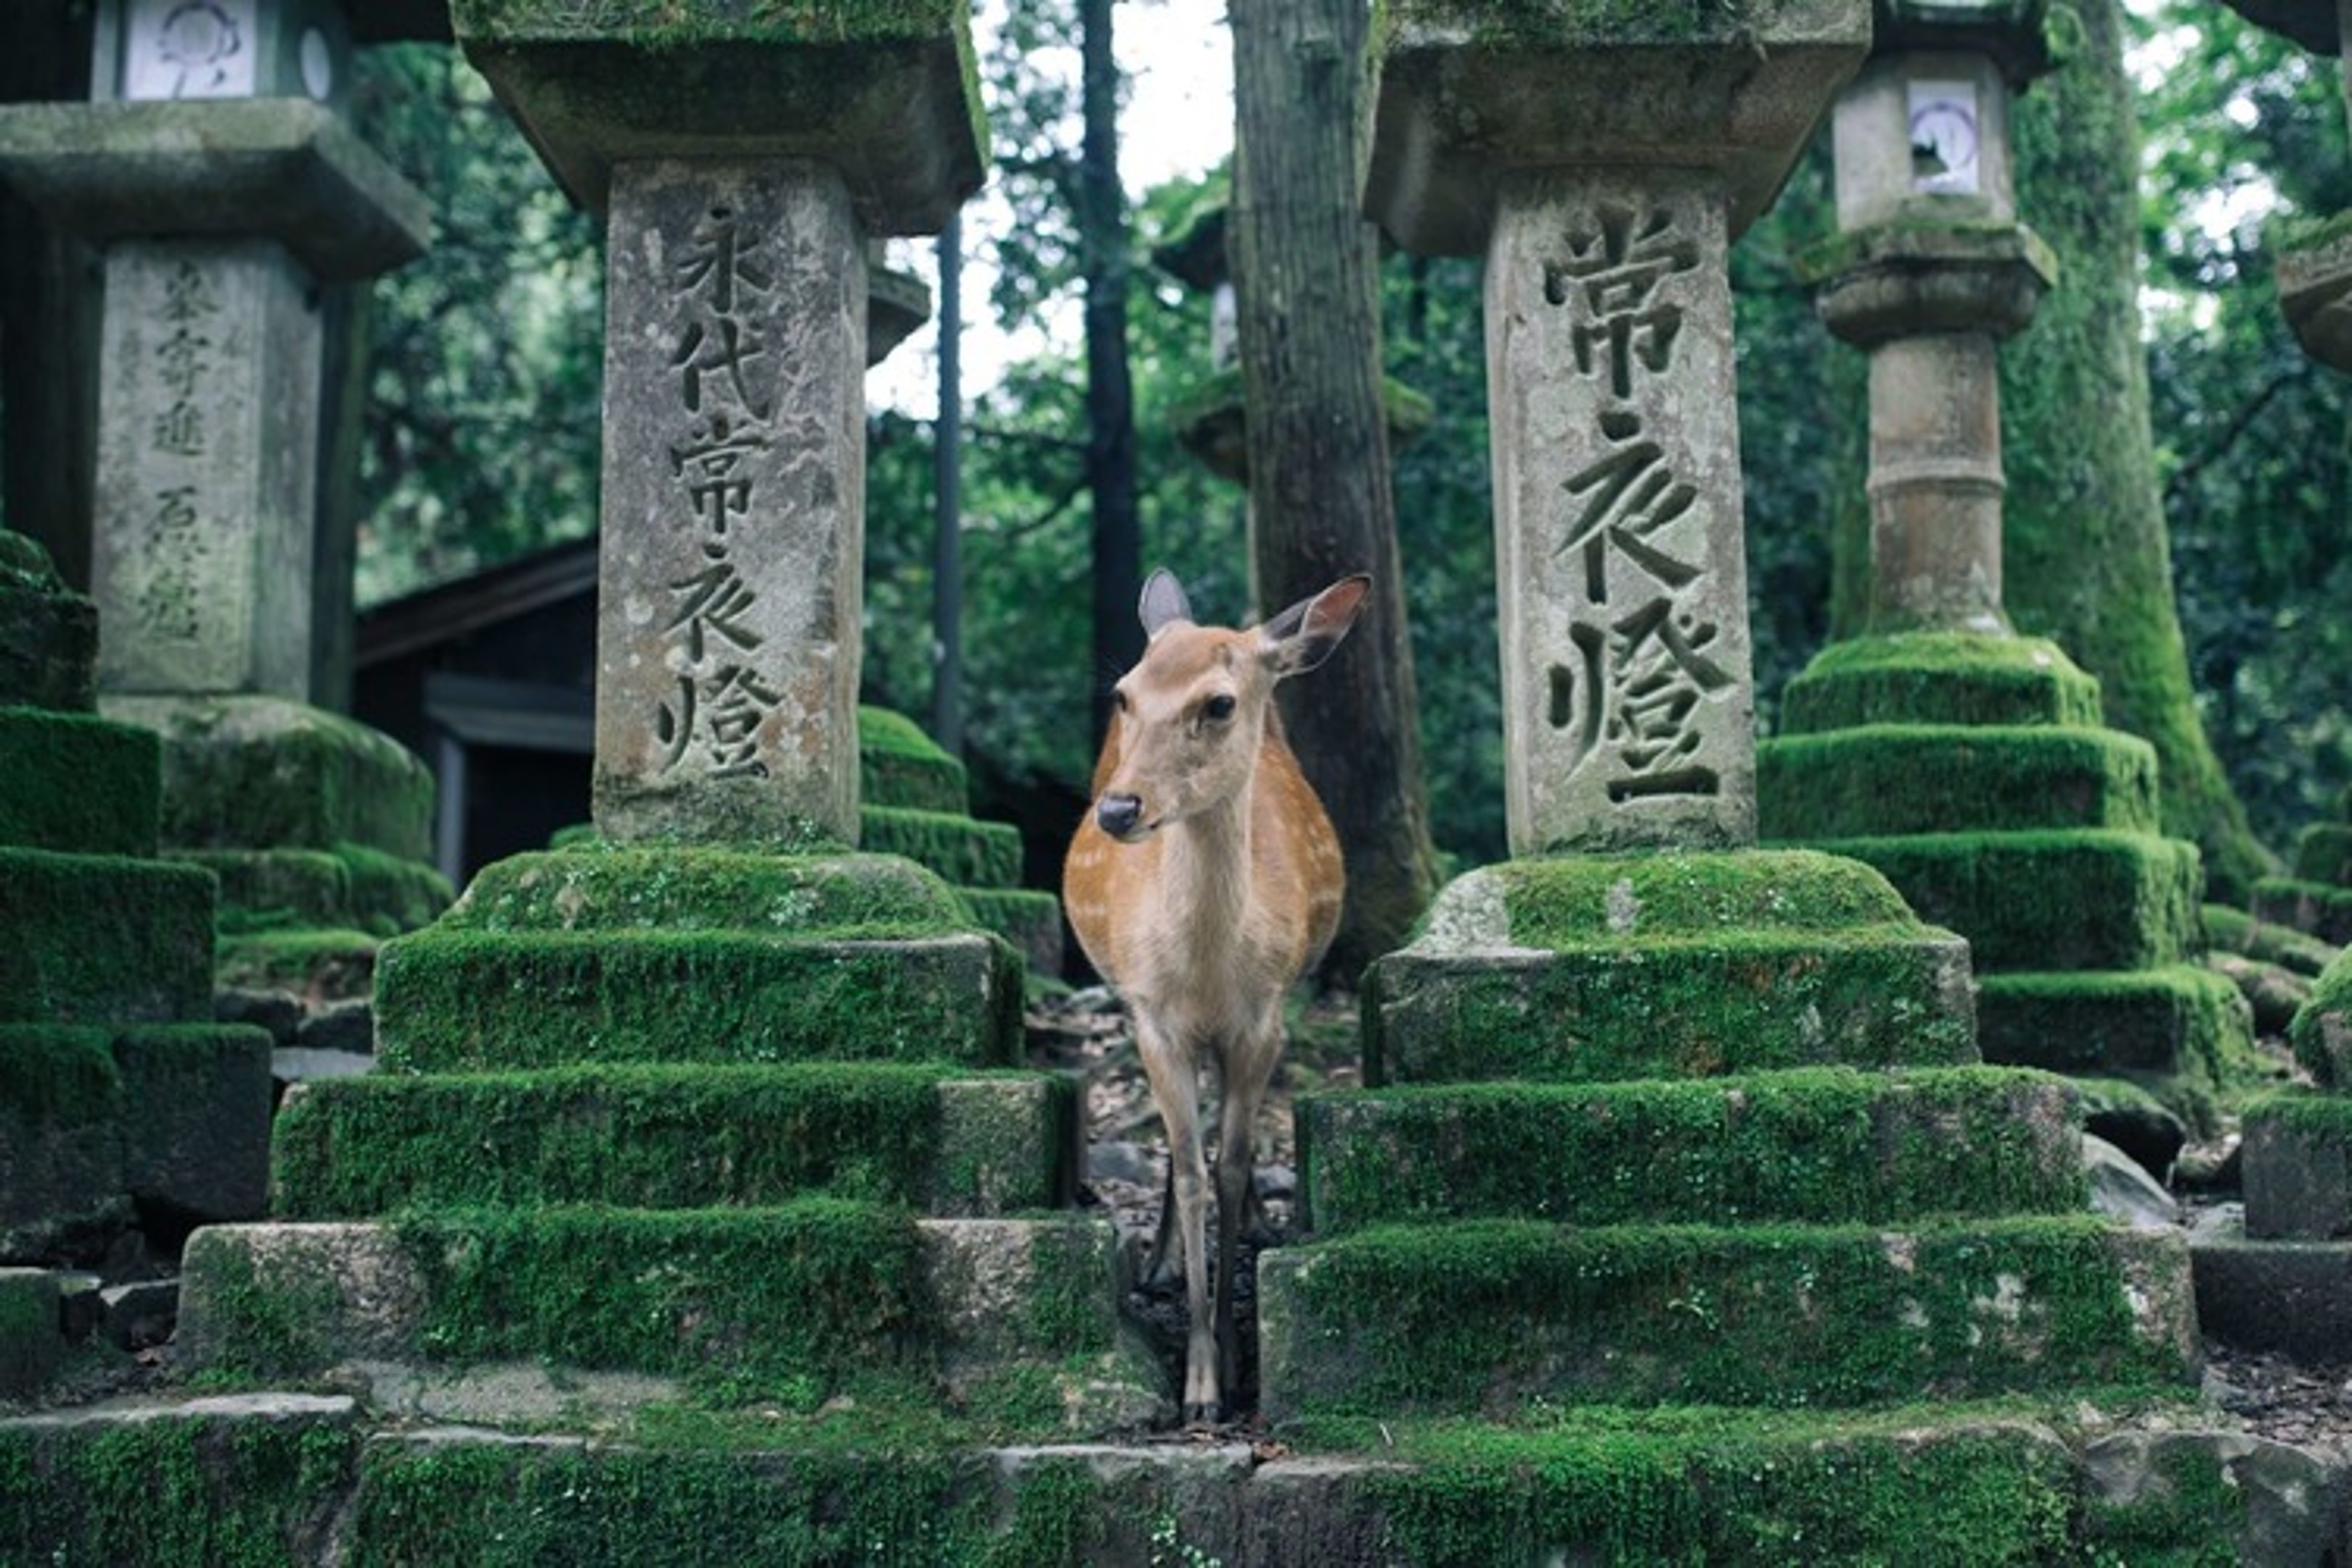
[
  {"x": 214, "y": 165},
  {"x": 2315, "y": 260}
]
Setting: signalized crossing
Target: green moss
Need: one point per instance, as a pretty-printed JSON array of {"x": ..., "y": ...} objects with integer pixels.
[
  {"x": 260, "y": 773},
  {"x": 1933, "y": 241},
  {"x": 453, "y": 999},
  {"x": 1726, "y": 1486},
  {"x": 173, "y": 1489},
  {"x": 898, "y": 765},
  {"x": 1540, "y": 25},
  {"x": 2189, "y": 1514},
  {"x": 102, "y": 939},
  {"x": 1810, "y": 1145},
  {"x": 1744, "y": 1002},
  {"x": 2234, "y": 930},
  {"x": 1940, "y": 678},
  {"x": 672, "y": 1137},
  {"x": 2187, "y": 1025},
  {"x": 611, "y": 888},
  {"x": 2050, "y": 901},
  {"x": 2322, "y": 1031},
  {"x": 334, "y": 965},
  {"x": 262, "y": 1320},
  {"x": 59, "y": 1074},
  {"x": 662, "y": 23},
  {"x": 965, "y": 853},
  {"x": 73, "y": 782},
  {"x": 1558, "y": 903},
  {"x": 1493, "y": 1316},
  {"x": 2317, "y": 910},
  {"x": 1886, "y": 779},
  {"x": 2323, "y": 853}
]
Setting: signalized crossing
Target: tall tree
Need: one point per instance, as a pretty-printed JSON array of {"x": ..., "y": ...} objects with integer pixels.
[
  {"x": 1103, "y": 263},
  {"x": 1320, "y": 502}
]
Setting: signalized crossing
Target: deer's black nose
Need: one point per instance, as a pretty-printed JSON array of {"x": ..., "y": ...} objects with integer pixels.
[{"x": 1117, "y": 815}]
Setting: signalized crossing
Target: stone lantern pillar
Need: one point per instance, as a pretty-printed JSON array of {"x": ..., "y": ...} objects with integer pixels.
[
  {"x": 1932, "y": 273},
  {"x": 214, "y": 166}
]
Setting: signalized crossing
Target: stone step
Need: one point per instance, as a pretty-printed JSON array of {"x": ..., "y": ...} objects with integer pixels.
[
  {"x": 1940, "y": 678},
  {"x": 94, "y": 1120},
  {"x": 966, "y": 853},
  {"x": 2323, "y": 853},
  {"x": 898, "y": 765},
  {"x": 76, "y": 784},
  {"x": 454, "y": 1000},
  {"x": 96, "y": 938},
  {"x": 348, "y": 887},
  {"x": 2322, "y": 1031},
  {"x": 2182, "y": 1023},
  {"x": 2289, "y": 1298},
  {"x": 800, "y": 1302},
  {"x": 2314, "y": 909},
  {"x": 2298, "y": 1167},
  {"x": 1031, "y": 920},
  {"x": 653, "y": 1136},
  {"x": 1889, "y": 779},
  {"x": 1810, "y": 1145},
  {"x": 261, "y": 1476},
  {"x": 1493, "y": 1316},
  {"x": 2235, "y": 930},
  {"x": 2054, "y": 900},
  {"x": 1593, "y": 968}
]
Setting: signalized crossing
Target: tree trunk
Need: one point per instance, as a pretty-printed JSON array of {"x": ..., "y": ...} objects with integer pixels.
[
  {"x": 2086, "y": 558},
  {"x": 1110, "y": 392},
  {"x": 1320, "y": 504},
  {"x": 947, "y": 503}
]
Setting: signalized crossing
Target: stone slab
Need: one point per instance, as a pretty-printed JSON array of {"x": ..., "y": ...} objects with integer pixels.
[
  {"x": 884, "y": 95},
  {"x": 1886, "y": 779},
  {"x": 103, "y": 940},
  {"x": 1812, "y": 1147},
  {"x": 32, "y": 1339},
  {"x": 48, "y": 647},
  {"x": 2180, "y": 1022},
  {"x": 261, "y": 773},
  {"x": 900, "y": 765},
  {"x": 766, "y": 1303},
  {"x": 1492, "y": 1317},
  {"x": 61, "y": 1135},
  {"x": 2323, "y": 853},
  {"x": 2085, "y": 899},
  {"x": 1898, "y": 279},
  {"x": 196, "y": 1106},
  {"x": 2312, "y": 907},
  {"x": 281, "y": 168},
  {"x": 1030, "y": 919},
  {"x": 733, "y": 498},
  {"x": 78, "y": 784},
  {"x": 966, "y": 853},
  {"x": 1468, "y": 98},
  {"x": 2322, "y": 1031},
  {"x": 2314, "y": 286},
  {"x": 348, "y": 889},
  {"x": 2294, "y": 1298},
  {"x": 2299, "y": 1168},
  {"x": 1940, "y": 678},
  {"x": 677, "y": 1137},
  {"x": 2243, "y": 1498}
]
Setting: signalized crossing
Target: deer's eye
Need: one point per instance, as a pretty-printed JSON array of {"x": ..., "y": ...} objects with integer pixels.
[{"x": 1218, "y": 709}]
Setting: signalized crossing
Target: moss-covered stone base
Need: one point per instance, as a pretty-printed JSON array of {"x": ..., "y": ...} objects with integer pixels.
[
  {"x": 2322, "y": 1032},
  {"x": 1940, "y": 678},
  {"x": 1884, "y": 779},
  {"x": 968, "y": 854},
  {"x": 345, "y": 889},
  {"x": 2183, "y": 1023},
  {"x": 320, "y": 965},
  {"x": 2235, "y": 930},
  {"x": 32, "y": 1336},
  {"x": 898, "y": 765},
  {"x": 1813, "y": 1146},
  {"x": 2049, "y": 900},
  {"x": 2298, "y": 1167},
  {"x": 77, "y": 783},
  {"x": 2323, "y": 854},
  {"x": 1490, "y": 1317},
  {"x": 2312, "y": 908},
  {"x": 2294, "y": 1298},
  {"x": 259, "y": 773},
  {"x": 677, "y": 1137},
  {"x": 103, "y": 939},
  {"x": 1030, "y": 921},
  {"x": 48, "y": 636},
  {"x": 796, "y": 1304}
]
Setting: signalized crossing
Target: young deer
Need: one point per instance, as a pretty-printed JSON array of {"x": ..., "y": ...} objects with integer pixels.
[{"x": 1205, "y": 879}]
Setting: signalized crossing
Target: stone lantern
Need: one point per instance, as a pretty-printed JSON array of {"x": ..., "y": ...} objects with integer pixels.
[
  {"x": 187, "y": 49},
  {"x": 1933, "y": 270}
]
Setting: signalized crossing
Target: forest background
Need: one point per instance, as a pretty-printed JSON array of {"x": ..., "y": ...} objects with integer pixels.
[{"x": 483, "y": 418}]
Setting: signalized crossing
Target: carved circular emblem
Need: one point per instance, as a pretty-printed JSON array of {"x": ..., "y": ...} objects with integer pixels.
[{"x": 197, "y": 35}]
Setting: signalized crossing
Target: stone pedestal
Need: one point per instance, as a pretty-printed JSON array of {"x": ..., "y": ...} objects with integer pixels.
[{"x": 2315, "y": 897}]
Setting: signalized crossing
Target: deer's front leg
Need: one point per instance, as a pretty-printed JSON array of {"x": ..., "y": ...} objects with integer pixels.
[
  {"x": 1246, "y": 1069},
  {"x": 1176, "y": 1090}
]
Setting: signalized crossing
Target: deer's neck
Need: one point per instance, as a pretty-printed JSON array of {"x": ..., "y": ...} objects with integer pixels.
[{"x": 1205, "y": 876}]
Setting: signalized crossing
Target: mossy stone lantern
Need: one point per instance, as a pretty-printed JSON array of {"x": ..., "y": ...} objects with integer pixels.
[
  {"x": 183, "y": 49},
  {"x": 1932, "y": 271},
  {"x": 2314, "y": 258}
]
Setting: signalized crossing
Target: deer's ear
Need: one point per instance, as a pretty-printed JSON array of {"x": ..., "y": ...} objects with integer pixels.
[
  {"x": 1305, "y": 635},
  {"x": 1163, "y": 603}
]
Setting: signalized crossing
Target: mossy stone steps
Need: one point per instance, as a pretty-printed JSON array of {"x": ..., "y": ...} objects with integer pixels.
[
  {"x": 1493, "y": 1316},
  {"x": 2325, "y": 913},
  {"x": 898, "y": 765},
  {"x": 2321, "y": 1033},
  {"x": 798, "y": 1303},
  {"x": 261, "y": 1477},
  {"x": 2298, "y": 1167},
  {"x": 2049, "y": 900},
  {"x": 596, "y": 886},
  {"x": 1810, "y": 1146},
  {"x": 2323, "y": 854},
  {"x": 103, "y": 939},
  {"x": 1882, "y": 779},
  {"x": 1030, "y": 919},
  {"x": 91, "y": 1117},
  {"x": 678, "y": 1137},
  {"x": 78, "y": 784},
  {"x": 48, "y": 637},
  {"x": 347, "y": 888},
  {"x": 1588, "y": 969},
  {"x": 1940, "y": 678},
  {"x": 2183, "y": 1022},
  {"x": 968, "y": 854},
  {"x": 464, "y": 1001}
]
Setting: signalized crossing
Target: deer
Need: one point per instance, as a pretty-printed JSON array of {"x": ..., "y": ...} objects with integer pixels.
[{"x": 1203, "y": 880}]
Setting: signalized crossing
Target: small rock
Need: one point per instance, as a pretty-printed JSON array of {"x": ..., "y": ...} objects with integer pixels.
[
  {"x": 275, "y": 1011},
  {"x": 2121, "y": 1189},
  {"x": 1277, "y": 1181},
  {"x": 1119, "y": 1160},
  {"x": 2212, "y": 1167},
  {"x": 299, "y": 1065},
  {"x": 142, "y": 1314},
  {"x": 339, "y": 1027}
]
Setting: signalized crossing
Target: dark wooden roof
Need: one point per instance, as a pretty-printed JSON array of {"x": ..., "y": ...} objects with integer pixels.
[{"x": 443, "y": 614}]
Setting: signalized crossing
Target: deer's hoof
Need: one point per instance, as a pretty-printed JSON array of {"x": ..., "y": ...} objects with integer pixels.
[{"x": 1201, "y": 1418}]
